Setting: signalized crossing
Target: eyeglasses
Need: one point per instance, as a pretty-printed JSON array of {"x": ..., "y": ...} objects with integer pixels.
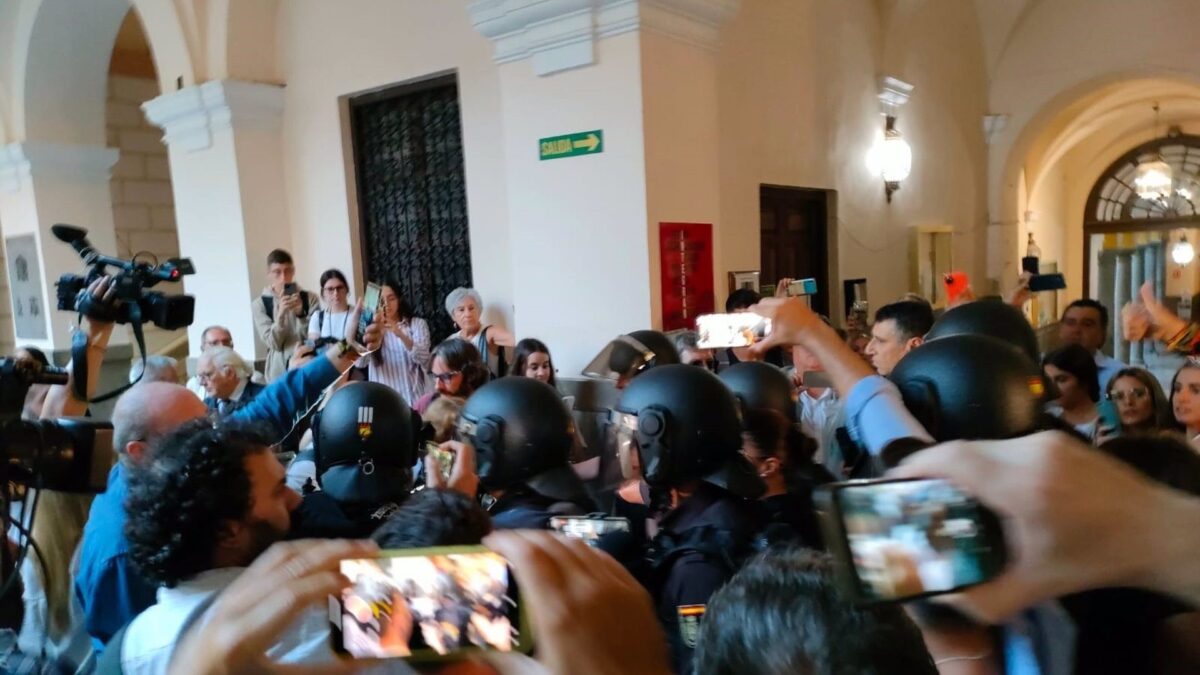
[
  {"x": 219, "y": 343},
  {"x": 1132, "y": 394},
  {"x": 335, "y": 289},
  {"x": 446, "y": 377}
]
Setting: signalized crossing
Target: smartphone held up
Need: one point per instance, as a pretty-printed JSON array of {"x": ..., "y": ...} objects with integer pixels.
[
  {"x": 896, "y": 540},
  {"x": 718, "y": 331},
  {"x": 428, "y": 605}
]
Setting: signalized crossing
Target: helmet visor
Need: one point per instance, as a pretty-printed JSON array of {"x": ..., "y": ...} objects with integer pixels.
[
  {"x": 619, "y": 461},
  {"x": 621, "y": 359}
]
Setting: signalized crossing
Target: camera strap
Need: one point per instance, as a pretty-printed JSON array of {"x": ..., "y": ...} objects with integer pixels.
[{"x": 79, "y": 354}]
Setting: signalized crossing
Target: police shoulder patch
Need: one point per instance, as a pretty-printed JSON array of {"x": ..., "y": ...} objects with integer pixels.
[{"x": 689, "y": 623}]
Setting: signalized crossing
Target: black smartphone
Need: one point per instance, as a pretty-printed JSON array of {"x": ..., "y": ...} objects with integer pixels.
[
  {"x": 1047, "y": 282},
  {"x": 290, "y": 289},
  {"x": 1030, "y": 264},
  {"x": 895, "y": 540},
  {"x": 433, "y": 604},
  {"x": 370, "y": 305}
]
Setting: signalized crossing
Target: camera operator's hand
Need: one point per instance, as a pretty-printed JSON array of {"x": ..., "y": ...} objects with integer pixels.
[
  {"x": 99, "y": 302},
  {"x": 253, "y": 612},
  {"x": 1074, "y": 519},
  {"x": 589, "y": 616},
  {"x": 462, "y": 475}
]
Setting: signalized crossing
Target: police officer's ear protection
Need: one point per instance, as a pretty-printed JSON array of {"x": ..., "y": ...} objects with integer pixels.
[
  {"x": 653, "y": 423},
  {"x": 487, "y": 437}
]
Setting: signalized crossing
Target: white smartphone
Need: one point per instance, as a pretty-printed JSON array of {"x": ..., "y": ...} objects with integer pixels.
[{"x": 718, "y": 331}]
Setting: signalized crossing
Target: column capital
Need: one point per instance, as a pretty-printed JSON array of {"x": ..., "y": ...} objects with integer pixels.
[
  {"x": 21, "y": 161},
  {"x": 558, "y": 35},
  {"x": 189, "y": 116}
]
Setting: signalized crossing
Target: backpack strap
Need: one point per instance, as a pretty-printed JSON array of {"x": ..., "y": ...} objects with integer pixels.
[
  {"x": 304, "y": 304},
  {"x": 269, "y": 305}
]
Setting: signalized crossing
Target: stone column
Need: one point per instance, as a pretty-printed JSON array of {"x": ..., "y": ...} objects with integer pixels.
[
  {"x": 225, "y": 150},
  {"x": 1136, "y": 277},
  {"x": 644, "y": 73},
  {"x": 43, "y": 184},
  {"x": 1119, "y": 298}
]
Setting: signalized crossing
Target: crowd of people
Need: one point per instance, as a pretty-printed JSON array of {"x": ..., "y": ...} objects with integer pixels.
[{"x": 234, "y": 499}]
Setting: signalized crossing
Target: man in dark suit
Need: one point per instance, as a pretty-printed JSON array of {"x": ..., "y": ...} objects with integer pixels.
[{"x": 226, "y": 380}]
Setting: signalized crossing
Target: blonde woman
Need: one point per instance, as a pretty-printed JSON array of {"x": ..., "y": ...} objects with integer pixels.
[{"x": 53, "y": 616}]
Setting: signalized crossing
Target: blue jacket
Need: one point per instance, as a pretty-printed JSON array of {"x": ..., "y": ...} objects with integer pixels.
[
  {"x": 110, "y": 589},
  {"x": 252, "y": 390}
]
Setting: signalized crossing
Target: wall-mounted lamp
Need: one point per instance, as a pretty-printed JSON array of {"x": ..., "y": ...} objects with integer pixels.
[
  {"x": 1183, "y": 253},
  {"x": 891, "y": 156}
]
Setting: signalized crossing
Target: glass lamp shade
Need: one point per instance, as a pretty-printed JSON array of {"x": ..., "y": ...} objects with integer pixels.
[
  {"x": 1153, "y": 179},
  {"x": 895, "y": 157},
  {"x": 1183, "y": 252}
]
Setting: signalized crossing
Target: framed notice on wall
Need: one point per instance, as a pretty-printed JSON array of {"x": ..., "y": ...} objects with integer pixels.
[
  {"x": 25, "y": 287},
  {"x": 686, "y": 260}
]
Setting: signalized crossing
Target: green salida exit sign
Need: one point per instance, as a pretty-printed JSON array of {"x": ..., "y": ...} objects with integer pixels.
[{"x": 572, "y": 145}]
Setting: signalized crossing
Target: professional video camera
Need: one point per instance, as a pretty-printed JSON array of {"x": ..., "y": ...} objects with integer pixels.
[
  {"x": 69, "y": 454},
  {"x": 169, "y": 312}
]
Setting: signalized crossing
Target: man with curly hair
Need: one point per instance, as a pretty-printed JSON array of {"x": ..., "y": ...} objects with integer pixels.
[
  {"x": 210, "y": 500},
  {"x": 110, "y": 591}
]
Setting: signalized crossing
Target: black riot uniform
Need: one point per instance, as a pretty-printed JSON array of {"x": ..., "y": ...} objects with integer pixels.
[
  {"x": 681, "y": 426},
  {"x": 792, "y": 516},
  {"x": 364, "y": 448},
  {"x": 522, "y": 435}
]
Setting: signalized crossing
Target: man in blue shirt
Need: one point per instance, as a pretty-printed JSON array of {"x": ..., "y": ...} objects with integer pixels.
[{"x": 110, "y": 590}]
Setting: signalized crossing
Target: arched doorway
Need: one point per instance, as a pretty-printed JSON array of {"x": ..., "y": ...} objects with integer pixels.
[{"x": 1130, "y": 239}]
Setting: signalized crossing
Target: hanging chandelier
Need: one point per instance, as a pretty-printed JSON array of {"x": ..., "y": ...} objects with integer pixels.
[{"x": 1155, "y": 178}]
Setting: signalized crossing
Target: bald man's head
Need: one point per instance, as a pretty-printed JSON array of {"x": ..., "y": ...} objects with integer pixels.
[{"x": 150, "y": 411}]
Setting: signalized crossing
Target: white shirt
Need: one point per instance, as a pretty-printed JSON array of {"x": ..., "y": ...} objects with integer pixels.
[
  {"x": 152, "y": 636},
  {"x": 328, "y": 324},
  {"x": 819, "y": 418}
]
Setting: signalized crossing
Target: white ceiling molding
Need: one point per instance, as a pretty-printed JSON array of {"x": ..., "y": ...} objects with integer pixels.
[
  {"x": 189, "y": 117},
  {"x": 558, "y": 35},
  {"x": 20, "y": 161},
  {"x": 893, "y": 93}
]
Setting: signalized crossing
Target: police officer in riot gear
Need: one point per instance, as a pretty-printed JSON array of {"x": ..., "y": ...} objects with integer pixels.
[
  {"x": 630, "y": 355},
  {"x": 761, "y": 385},
  {"x": 364, "y": 447},
  {"x": 523, "y": 435},
  {"x": 678, "y": 427},
  {"x": 779, "y": 451}
]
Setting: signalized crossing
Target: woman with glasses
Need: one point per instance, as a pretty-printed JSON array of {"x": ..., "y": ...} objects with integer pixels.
[
  {"x": 457, "y": 370},
  {"x": 1140, "y": 401},
  {"x": 328, "y": 325},
  {"x": 402, "y": 362}
]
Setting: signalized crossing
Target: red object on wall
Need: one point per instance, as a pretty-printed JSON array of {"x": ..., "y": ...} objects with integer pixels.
[{"x": 685, "y": 252}]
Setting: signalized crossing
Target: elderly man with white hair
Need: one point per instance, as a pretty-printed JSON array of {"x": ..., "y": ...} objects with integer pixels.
[{"x": 226, "y": 380}]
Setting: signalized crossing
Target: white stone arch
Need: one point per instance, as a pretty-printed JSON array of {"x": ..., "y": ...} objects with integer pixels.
[{"x": 59, "y": 67}]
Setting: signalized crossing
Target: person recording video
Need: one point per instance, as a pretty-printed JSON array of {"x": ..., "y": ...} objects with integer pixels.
[
  {"x": 281, "y": 313},
  {"x": 111, "y": 591}
]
